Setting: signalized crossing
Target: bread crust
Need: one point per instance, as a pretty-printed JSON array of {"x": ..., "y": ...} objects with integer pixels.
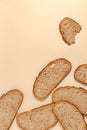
[
  {"x": 37, "y": 109},
  {"x": 4, "y": 95},
  {"x": 74, "y": 107},
  {"x": 49, "y": 64},
  {"x": 82, "y": 65},
  {"x": 63, "y": 36},
  {"x": 70, "y": 87}
]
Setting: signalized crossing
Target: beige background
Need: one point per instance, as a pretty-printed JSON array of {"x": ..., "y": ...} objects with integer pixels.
[{"x": 29, "y": 39}]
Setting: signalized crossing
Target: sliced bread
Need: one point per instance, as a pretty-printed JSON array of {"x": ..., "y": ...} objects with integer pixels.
[
  {"x": 69, "y": 116},
  {"x": 50, "y": 77},
  {"x": 68, "y": 29},
  {"x": 40, "y": 118},
  {"x": 9, "y": 105},
  {"x": 74, "y": 95},
  {"x": 81, "y": 74}
]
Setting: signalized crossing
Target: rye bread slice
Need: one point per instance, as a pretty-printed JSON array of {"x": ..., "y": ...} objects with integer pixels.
[
  {"x": 9, "y": 105},
  {"x": 80, "y": 74},
  {"x": 40, "y": 118},
  {"x": 50, "y": 77},
  {"x": 74, "y": 95},
  {"x": 69, "y": 116},
  {"x": 68, "y": 29}
]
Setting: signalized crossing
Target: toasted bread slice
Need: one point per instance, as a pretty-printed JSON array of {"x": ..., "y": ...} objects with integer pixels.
[
  {"x": 81, "y": 74},
  {"x": 50, "y": 77},
  {"x": 69, "y": 116},
  {"x": 40, "y": 118},
  {"x": 74, "y": 95},
  {"x": 68, "y": 29},
  {"x": 9, "y": 105}
]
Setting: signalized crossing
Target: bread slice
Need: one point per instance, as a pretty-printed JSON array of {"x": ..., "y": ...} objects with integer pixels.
[
  {"x": 68, "y": 29},
  {"x": 40, "y": 118},
  {"x": 9, "y": 105},
  {"x": 69, "y": 116},
  {"x": 80, "y": 74},
  {"x": 50, "y": 77},
  {"x": 74, "y": 95}
]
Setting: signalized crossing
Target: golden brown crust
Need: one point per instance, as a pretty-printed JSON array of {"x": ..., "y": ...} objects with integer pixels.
[
  {"x": 69, "y": 87},
  {"x": 15, "y": 90},
  {"x": 75, "y": 107},
  {"x": 64, "y": 39},
  {"x": 72, "y": 105},
  {"x": 25, "y": 129},
  {"x": 76, "y": 71},
  {"x": 41, "y": 99},
  {"x": 33, "y": 110}
]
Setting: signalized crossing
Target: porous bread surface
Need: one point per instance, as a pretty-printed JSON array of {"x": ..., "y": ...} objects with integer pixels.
[
  {"x": 69, "y": 28},
  {"x": 50, "y": 77},
  {"x": 69, "y": 116},
  {"x": 74, "y": 95},
  {"x": 40, "y": 118},
  {"x": 9, "y": 105},
  {"x": 81, "y": 74}
]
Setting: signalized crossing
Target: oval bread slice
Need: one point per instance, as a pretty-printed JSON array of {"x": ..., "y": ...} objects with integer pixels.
[
  {"x": 81, "y": 74},
  {"x": 50, "y": 77},
  {"x": 40, "y": 118},
  {"x": 68, "y": 29},
  {"x": 69, "y": 116},
  {"x": 74, "y": 95},
  {"x": 9, "y": 105}
]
